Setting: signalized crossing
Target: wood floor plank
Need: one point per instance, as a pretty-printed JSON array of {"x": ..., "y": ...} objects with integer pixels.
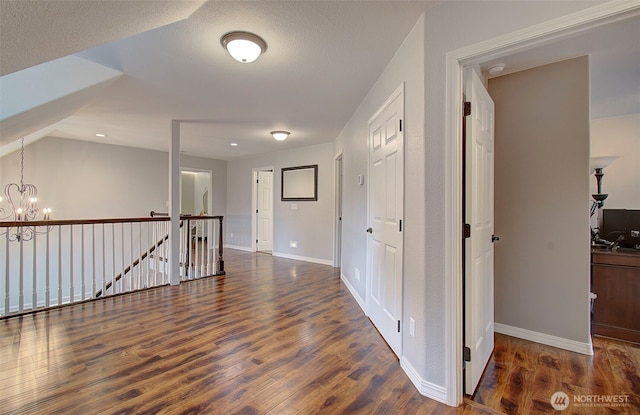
[
  {"x": 530, "y": 373},
  {"x": 273, "y": 336}
]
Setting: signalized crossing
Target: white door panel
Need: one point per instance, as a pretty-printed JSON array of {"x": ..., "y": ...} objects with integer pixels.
[
  {"x": 479, "y": 283},
  {"x": 386, "y": 204},
  {"x": 264, "y": 234}
]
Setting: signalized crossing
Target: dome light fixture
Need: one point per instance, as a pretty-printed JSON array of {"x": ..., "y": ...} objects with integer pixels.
[
  {"x": 244, "y": 47},
  {"x": 280, "y": 135},
  {"x": 496, "y": 69}
]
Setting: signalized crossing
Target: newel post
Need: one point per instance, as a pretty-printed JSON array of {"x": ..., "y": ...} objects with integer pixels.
[{"x": 220, "y": 249}]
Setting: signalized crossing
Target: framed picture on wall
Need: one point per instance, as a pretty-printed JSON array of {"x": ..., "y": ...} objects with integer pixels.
[{"x": 300, "y": 183}]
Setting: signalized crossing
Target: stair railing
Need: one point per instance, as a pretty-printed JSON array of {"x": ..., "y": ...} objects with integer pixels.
[{"x": 70, "y": 261}]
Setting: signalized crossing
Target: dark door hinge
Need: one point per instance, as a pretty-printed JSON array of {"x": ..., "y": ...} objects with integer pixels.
[
  {"x": 400, "y": 226},
  {"x": 400, "y": 125},
  {"x": 398, "y": 326},
  {"x": 256, "y": 210},
  {"x": 467, "y": 231},
  {"x": 467, "y": 108},
  {"x": 466, "y": 354}
]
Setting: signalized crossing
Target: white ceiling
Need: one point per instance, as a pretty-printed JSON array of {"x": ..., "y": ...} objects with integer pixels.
[{"x": 322, "y": 58}]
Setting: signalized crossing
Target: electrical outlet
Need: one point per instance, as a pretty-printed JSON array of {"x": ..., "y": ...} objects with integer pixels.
[
  {"x": 293, "y": 244},
  {"x": 294, "y": 206},
  {"x": 231, "y": 236},
  {"x": 412, "y": 327}
]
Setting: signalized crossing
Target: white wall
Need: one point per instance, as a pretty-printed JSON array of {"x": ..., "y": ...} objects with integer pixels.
[
  {"x": 618, "y": 136},
  {"x": 81, "y": 179},
  {"x": 542, "y": 263},
  {"x": 309, "y": 224},
  {"x": 187, "y": 185},
  {"x": 406, "y": 66}
]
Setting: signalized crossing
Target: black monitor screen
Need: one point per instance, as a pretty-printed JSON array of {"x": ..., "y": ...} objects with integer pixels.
[{"x": 622, "y": 225}]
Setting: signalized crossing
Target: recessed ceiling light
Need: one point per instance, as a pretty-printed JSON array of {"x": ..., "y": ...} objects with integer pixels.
[
  {"x": 244, "y": 47},
  {"x": 101, "y": 135},
  {"x": 234, "y": 144},
  {"x": 280, "y": 135}
]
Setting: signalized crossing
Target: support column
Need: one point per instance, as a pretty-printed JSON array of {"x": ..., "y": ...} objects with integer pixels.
[{"x": 174, "y": 204}]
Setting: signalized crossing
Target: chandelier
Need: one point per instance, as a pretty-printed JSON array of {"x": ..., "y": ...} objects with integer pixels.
[{"x": 22, "y": 206}]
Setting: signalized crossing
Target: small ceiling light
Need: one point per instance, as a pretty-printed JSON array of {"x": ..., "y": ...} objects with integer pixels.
[
  {"x": 244, "y": 47},
  {"x": 234, "y": 144},
  {"x": 280, "y": 135},
  {"x": 496, "y": 69},
  {"x": 101, "y": 135}
]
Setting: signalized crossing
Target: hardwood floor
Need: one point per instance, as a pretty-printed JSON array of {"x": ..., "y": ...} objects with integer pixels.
[
  {"x": 273, "y": 336},
  {"x": 522, "y": 376}
]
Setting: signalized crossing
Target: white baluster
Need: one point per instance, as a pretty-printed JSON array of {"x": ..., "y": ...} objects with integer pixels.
[
  {"x": 7, "y": 298},
  {"x": 71, "y": 284},
  {"x": 47, "y": 276},
  {"x": 34, "y": 280},
  {"x": 82, "y": 270}
]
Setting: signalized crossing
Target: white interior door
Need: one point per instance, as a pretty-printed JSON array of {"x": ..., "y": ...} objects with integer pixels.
[
  {"x": 479, "y": 215},
  {"x": 264, "y": 234},
  {"x": 386, "y": 207}
]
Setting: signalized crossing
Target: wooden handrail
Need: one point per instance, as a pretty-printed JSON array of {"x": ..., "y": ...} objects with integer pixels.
[{"x": 80, "y": 222}]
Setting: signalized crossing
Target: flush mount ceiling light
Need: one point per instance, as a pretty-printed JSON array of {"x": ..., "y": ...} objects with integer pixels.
[
  {"x": 244, "y": 47},
  {"x": 280, "y": 135},
  {"x": 496, "y": 69}
]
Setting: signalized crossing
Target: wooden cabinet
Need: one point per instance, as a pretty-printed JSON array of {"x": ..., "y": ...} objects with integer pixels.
[{"x": 615, "y": 279}]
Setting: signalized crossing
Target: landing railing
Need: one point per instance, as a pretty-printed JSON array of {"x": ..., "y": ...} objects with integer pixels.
[
  {"x": 201, "y": 247},
  {"x": 57, "y": 262}
]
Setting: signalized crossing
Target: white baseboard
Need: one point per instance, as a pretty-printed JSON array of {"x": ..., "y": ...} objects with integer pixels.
[
  {"x": 304, "y": 258},
  {"x": 428, "y": 389},
  {"x": 238, "y": 247},
  {"x": 534, "y": 336},
  {"x": 354, "y": 293}
]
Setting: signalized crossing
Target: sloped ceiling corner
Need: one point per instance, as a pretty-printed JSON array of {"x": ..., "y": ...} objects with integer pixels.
[
  {"x": 52, "y": 29},
  {"x": 42, "y": 95}
]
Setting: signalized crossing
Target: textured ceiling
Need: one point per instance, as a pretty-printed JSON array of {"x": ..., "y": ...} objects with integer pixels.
[
  {"x": 36, "y": 31},
  {"x": 322, "y": 58}
]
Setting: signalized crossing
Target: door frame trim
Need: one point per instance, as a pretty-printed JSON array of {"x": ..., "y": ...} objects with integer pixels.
[
  {"x": 518, "y": 41},
  {"x": 254, "y": 205}
]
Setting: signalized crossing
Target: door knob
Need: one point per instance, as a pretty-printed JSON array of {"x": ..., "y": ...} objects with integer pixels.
[
  {"x": 494, "y": 238},
  {"x": 370, "y": 230}
]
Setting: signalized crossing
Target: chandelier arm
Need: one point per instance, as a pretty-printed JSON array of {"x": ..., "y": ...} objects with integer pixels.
[{"x": 22, "y": 201}]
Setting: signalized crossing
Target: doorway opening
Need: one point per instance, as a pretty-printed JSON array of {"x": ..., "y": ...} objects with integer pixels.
[
  {"x": 580, "y": 22},
  {"x": 195, "y": 197}
]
